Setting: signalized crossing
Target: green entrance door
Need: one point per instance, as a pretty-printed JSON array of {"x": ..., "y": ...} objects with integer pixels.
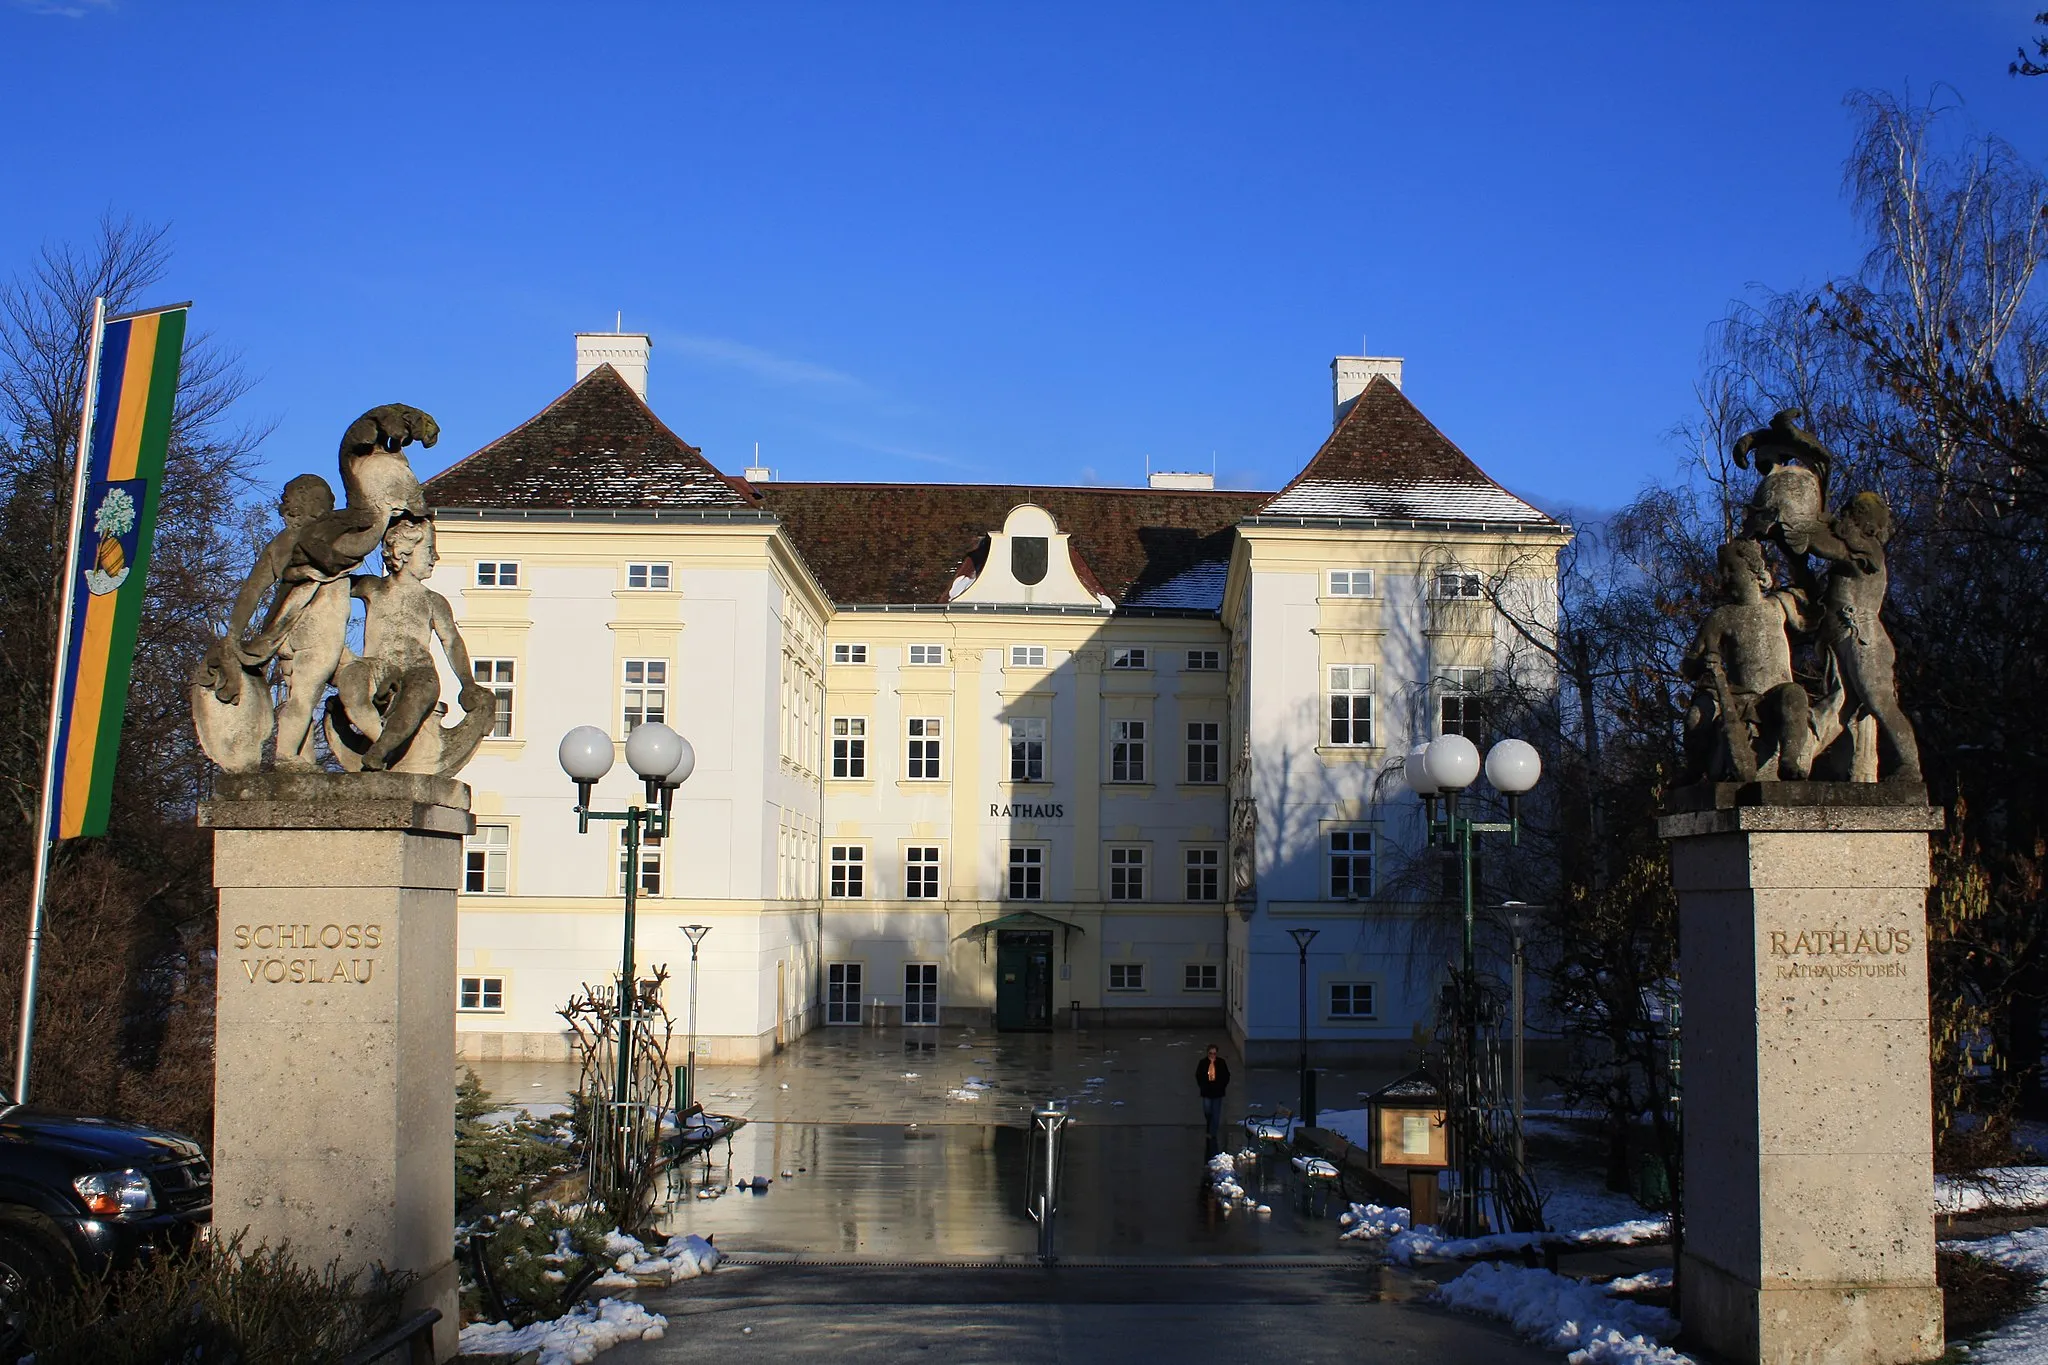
[{"x": 1024, "y": 979}]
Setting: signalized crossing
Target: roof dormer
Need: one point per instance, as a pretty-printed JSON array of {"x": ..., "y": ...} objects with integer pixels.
[{"x": 1028, "y": 562}]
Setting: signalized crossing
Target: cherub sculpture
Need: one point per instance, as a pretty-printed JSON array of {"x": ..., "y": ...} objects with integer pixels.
[
  {"x": 1750, "y": 720},
  {"x": 305, "y": 573},
  {"x": 382, "y": 712}
]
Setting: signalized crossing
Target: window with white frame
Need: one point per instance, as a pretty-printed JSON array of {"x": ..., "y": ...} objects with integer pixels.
[
  {"x": 480, "y": 994},
  {"x": 1205, "y": 660},
  {"x": 1205, "y": 751},
  {"x": 1352, "y": 1000},
  {"x": 646, "y": 692},
  {"x": 487, "y": 860},
  {"x": 1027, "y": 873},
  {"x": 1204, "y": 874},
  {"x": 1027, "y": 748},
  {"x": 849, "y": 654},
  {"x": 920, "y": 993},
  {"x": 1202, "y": 976},
  {"x": 496, "y": 674},
  {"x": 1127, "y": 976},
  {"x": 842, "y": 992},
  {"x": 1461, "y": 703},
  {"x": 497, "y": 573},
  {"x": 849, "y": 872},
  {"x": 1127, "y": 751},
  {"x": 921, "y": 872},
  {"x": 1351, "y": 582},
  {"x": 1454, "y": 586},
  {"x": 650, "y": 866},
  {"x": 921, "y": 754},
  {"x": 1350, "y": 859},
  {"x": 647, "y": 577},
  {"x": 849, "y": 746},
  {"x": 1027, "y": 656},
  {"x": 1127, "y": 874},
  {"x": 1350, "y": 704},
  {"x": 927, "y": 656},
  {"x": 1129, "y": 658}
]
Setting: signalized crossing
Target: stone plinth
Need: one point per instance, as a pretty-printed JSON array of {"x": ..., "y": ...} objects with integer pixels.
[
  {"x": 1809, "y": 1175},
  {"x": 334, "y": 1099}
]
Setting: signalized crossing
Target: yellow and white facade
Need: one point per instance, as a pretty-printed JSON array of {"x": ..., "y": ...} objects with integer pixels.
[{"x": 1089, "y": 768}]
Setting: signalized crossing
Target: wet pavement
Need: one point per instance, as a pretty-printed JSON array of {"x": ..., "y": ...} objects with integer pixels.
[
  {"x": 911, "y": 1143},
  {"x": 1074, "y": 1315}
]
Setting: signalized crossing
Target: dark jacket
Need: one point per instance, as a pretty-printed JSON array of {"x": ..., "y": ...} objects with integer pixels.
[{"x": 1212, "y": 1090}]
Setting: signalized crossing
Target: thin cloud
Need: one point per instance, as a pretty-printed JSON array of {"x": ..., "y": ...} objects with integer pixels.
[
  {"x": 860, "y": 442},
  {"x": 65, "y": 9},
  {"x": 779, "y": 369}
]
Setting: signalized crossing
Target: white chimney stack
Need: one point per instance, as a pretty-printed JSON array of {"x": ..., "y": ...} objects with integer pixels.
[
  {"x": 1163, "y": 478},
  {"x": 1352, "y": 373},
  {"x": 625, "y": 352}
]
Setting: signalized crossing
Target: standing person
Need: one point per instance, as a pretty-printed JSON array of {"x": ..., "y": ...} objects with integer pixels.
[{"x": 1212, "y": 1078}]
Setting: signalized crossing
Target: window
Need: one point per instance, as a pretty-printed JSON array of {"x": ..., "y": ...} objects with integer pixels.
[
  {"x": 1205, "y": 751},
  {"x": 842, "y": 993},
  {"x": 1458, "y": 587},
  {"x": 1027, "y": 874},
  {"x": 650, "y": 867},
  {"x": 497, "y": 573},
  {"x": 1351, "y": 704},
  {"x": 496, "y": 674},
  {"x": 1127, "y": 751},
  {"x": 1127, "y": 658},
  {"x": 1350, "y": 864},
  {"x": 849, "y": 654},
  {"x": 480, "y": 993},
  {"x": 646, "y": 692},
  {"x": 923, "y": 755},
  {"x": 647, "y": 577},
  {"x": 1127, "y": 976},
  {"x": 849, "y": 872},
  {"x": 1205, "y": 873},
  {"x": 849, "y": 746},
  {"x": 920, "y": 992},
  {"x": 1027, "y": 656},
  {"x": 1351, "y": 582},
  {"x": 921, "y": 873},
  {"x": 486, "y": 856},
  {"x": 1461, "y": 708},
  {"x": 1027, "y": 749},
  {"x": 1205, "y": 660},
  {"x": 1127, "y": 874},
  {"x": 1201, "y": 976},
  {"x": 1352, "y": 1000},
  {"x": 924, "y": 655}
]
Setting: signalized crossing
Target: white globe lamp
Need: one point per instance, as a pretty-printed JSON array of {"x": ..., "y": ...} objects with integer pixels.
[
  {"x": 1452, "y": 762},
  {"x": 651, "y": 750},
  {"x": 1513, "y": 767},
  {"x": 1416, "y": 770},
  {"x": 586, "y": 755}
]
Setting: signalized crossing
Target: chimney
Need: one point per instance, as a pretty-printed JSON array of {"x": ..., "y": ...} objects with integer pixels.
[
  {"x": 1353, "y": 372},
  {"x": 625, "y": 352},
  {"x": 1160, "y": 478}
]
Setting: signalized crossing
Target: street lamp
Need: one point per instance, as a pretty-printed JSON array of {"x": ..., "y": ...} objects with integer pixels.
[
  {"x": 663, "y": 760},
  {"x": 1302, "y": 938},
  {"x": 695, "y": 933},
  {"x": 1440, "y": 771}
]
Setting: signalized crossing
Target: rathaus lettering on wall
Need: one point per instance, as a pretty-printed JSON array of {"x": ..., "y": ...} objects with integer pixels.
[{"x": 1050, "y": 811}]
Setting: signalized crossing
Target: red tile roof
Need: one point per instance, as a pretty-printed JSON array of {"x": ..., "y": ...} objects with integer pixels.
[
  {"x": 904, "y": 543},
  {"x": 598, "y": 445},
  {"x": 1386, "y": 460}
]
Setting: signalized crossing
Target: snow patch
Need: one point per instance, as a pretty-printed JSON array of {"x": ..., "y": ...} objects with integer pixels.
[
  {"x": 572, "y": 1339},
  {"x": 1564, "y": 1314}
]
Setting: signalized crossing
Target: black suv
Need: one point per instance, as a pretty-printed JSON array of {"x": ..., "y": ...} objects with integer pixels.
[{"x": 90, "y": 1194}]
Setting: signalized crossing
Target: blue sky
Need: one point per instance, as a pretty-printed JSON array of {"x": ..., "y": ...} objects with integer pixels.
[{"x": 975, "y": 243}]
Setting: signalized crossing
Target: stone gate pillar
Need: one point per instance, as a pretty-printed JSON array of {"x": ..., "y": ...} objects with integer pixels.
[
  {"x": 334, "y": 1089},
  {"x": 1809, "y": 1186}
]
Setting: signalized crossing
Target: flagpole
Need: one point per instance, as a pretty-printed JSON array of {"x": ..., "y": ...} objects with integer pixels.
[{"x": 26, "y": 1044}]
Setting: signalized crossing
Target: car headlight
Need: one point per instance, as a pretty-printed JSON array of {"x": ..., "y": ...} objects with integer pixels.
[{"x": 116, "y": 1194}]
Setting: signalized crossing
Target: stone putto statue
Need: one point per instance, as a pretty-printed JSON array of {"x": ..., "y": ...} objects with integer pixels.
[
  {"x": 381, "y": 715},
  {"x": 1752, "y": 719}
]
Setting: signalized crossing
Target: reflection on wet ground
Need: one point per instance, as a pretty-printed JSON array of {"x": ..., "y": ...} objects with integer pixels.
[
  {"x": 958, "y": 1190},
  {"x": 911, "y": 1143}
]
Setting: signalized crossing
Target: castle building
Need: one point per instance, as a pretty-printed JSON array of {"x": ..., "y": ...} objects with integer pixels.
[{"x": 1013, "y": 754}]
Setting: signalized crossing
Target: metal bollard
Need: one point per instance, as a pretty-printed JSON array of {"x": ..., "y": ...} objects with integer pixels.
[{"x": 1042, "y": 1174}]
